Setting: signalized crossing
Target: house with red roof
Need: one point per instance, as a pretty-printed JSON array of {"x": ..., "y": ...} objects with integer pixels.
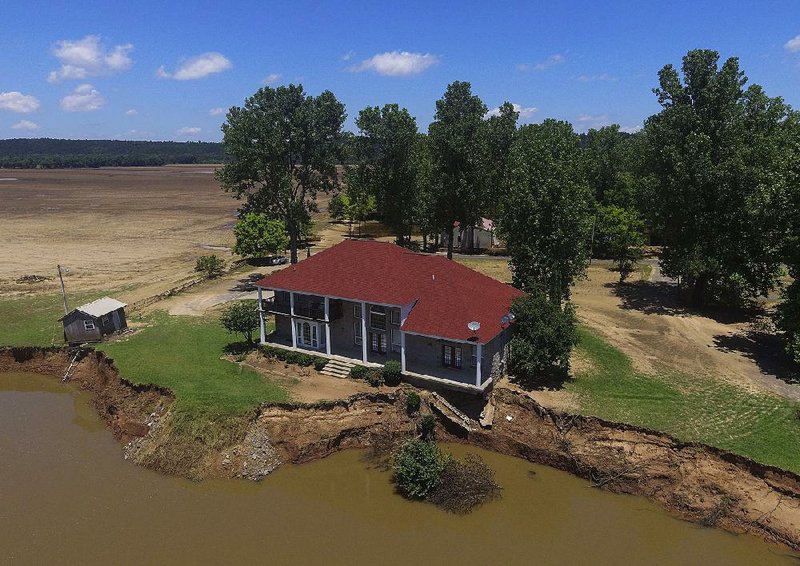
[{"x": 367, "y": 302}]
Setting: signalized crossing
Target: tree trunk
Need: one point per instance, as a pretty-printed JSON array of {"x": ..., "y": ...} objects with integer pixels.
[
  {"x": 699, "y": 289},
  {"x": 292, "y": 229},
  {"x": 450, "y": 238}
]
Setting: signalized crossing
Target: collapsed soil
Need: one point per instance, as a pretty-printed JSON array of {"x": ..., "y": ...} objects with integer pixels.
[{"x": 693, "y": 481}]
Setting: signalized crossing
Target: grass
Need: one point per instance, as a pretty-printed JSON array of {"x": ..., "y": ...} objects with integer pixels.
[
  {"x": 184, "y": 354},
  {"x": 763, "y": 427},
  {"x": 33, "y": 320},
  {"x": 496, "y": 268}
]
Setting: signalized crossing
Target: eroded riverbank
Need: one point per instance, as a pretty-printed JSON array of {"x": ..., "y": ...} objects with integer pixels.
[{"x": 692, "y": 481}]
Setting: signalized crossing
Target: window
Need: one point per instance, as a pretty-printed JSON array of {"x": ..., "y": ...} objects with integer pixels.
[
  {"x": 105, "y": 320},
  {"x": 395, "y": 314},
  {"x": 308, "y": 334},
  {"x": 88, "y": 325},
  {"x": 396, "y": 343},
  {"x": 378, "y": 342},
  {"x": 357, "y": 310},
  {"x": 451, "y": 356},
  {"x": 357, "y": 332},
  {"x": 377, "y": 317}
]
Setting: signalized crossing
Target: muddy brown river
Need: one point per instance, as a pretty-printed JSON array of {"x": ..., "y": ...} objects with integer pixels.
[{"x": 67, "y": 496}]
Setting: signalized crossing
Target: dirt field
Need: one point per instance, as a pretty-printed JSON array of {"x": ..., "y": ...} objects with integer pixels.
[{"x": 111, "y": 227}]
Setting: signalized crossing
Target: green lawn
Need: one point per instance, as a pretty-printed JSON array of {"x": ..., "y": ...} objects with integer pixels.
[
  {"x": 33, "y": 321},
  {"x": 763, "y": 427},
  {"x": 184, "y": 354}
]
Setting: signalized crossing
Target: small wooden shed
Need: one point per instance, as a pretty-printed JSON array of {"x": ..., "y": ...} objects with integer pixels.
[{"x": 92, "y": 321}]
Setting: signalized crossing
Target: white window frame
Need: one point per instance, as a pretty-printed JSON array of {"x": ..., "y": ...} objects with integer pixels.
[
  {"x": 377, "y": 342},
  {"x": 313, "y": 334},
  {"x": 357, "y": 338},
  {"x": 89, "y": 325},
  {"x": 452, "y": 356},
  {"x": 357, "y": 311},
  {"x": 396, "y": 336},
  {"x": 395, "y": 316},
  {"x": 474, "y": 356}
]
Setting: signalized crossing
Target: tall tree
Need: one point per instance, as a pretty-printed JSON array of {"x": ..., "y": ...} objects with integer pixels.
[
  {"x": 610, "y": 160},
  {"x": 500, "y": 131},
  {"x": 427, "y": 187},
  {"x": 390, "y": 134},
  {"x": 257, "y": 235},
  {"x": 715, "y": 154},
  {"x": 283, "y": 146},
  {"x": 789, "y": 309},
  {"x": 456, "y": 137},
  {"x": 544, "y": 218}
]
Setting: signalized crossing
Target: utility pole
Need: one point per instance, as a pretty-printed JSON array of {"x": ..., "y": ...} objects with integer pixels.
[{"x": 63, "y": 292}]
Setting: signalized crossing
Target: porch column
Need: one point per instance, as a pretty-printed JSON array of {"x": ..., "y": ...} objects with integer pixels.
[
  {"x": 402, "y": 351},
  {"x": 364, "y": 315},
  {"x": 291, "y": 319},
  {"x": 327, "y": 326},
  {"x": 478, "y": 366},
  {"x": 261, "y": 315}
]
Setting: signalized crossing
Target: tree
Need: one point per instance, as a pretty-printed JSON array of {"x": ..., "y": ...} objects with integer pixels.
[
  {"x": 457, "y": 146},
  {"x": 357, "y": 200},
  {"x": 427, "y": 186},
  {"x": 241, "y": 317},
  {"x": 499, "y": 133},
  {"x": 210, "y": 265},
  {"x": 716, "y": 158},
  {"x": 619, "y": 235},
  {"x": 544, "y": 217},
  {"x": 544, "y": 335},
  {"x": 418, "y": 466},
  {"x": 611, "y": 162},
  {"x": 257, "y": 235},
  {"x": 789, "y": 310},
  {"x": 390, "y": 134},
  {"x": 283, "y": 147}
]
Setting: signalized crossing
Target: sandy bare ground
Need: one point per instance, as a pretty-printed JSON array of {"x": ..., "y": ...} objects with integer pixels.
[
  {"x": 646, "y": 322},
  {"x": 138, "y": 227}
]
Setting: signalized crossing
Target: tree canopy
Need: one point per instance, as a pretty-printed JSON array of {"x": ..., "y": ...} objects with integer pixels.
[
  {"x": 715, "y": 155},
  {"x": 257, "y": 235},
  {"x": 545, "y": 216},
  {"x": 284, "y": 146}
]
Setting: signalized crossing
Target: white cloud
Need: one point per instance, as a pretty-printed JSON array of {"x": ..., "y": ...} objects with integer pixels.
[
  {"x": 131, "y": 112},
  {"x": 25, "y": 125},
  {"x": 630, "y": 129},
  {"x": 396, "y": 63},
  {"x": 189, "y": 131},
  {"x": 524, "y": 112},
  {"x": 84, "y": 98},
  {"x": 271, "y": 78},
  {"x": 88, "y": 57},
  {"x": 600, "y": 77},
  {"x": 197, "y": 67},
  {"x": 347, "y": 56},
  {"x": 793, "y": 45},
  {"x": 15, "y": 101},
  {"x": 555, "y": 59},
  {"x": 217, "y": 111},
  {"x": 588, "y": 121}
]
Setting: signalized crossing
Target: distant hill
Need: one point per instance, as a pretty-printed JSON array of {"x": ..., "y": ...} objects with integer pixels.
[{"x": 53, "y": 153}]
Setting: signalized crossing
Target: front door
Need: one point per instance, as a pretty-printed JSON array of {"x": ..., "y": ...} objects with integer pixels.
[
  {"x": 308, "y": 334},
  {"x": 377, "y": 342}
]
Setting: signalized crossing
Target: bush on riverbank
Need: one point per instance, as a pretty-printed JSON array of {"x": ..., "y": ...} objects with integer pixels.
[{"x": 422, "y": 471}]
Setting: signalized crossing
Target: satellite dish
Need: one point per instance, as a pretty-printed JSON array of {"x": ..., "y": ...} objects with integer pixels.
[{"x": 474, "y": 325}]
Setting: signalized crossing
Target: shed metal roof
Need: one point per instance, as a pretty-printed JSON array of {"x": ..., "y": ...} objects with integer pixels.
[{"x": 101, "y": 307}]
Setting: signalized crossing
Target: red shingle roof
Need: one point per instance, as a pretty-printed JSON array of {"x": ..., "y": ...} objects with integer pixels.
[{"x": 446, "y": 295}]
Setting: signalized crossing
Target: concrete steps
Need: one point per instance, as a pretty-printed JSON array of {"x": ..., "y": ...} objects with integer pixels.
[{"x": 337, "y": 368}]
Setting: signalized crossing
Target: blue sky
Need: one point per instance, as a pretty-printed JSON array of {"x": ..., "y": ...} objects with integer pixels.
[{"x": 157, "y": 70}]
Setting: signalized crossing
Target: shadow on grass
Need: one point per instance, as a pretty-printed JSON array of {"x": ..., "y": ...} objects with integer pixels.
[
  {"x": 664, "y": 298},
  {"x": 766, "y": 350},
  {"x": 549, "y": 380},
  {"x": 238, "y": 348}
]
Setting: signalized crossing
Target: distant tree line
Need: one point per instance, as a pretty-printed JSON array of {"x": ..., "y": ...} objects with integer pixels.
[
  {"x": 712, "y": 178},
  {"x": 46, "y": 153}
]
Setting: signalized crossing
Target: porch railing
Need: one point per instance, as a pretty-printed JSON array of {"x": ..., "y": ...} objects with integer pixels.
[{"x": 306, "y": 310}]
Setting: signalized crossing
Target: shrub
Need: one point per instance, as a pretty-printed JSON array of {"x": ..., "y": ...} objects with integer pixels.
[
  {"x": 210, "y": 265},
  {"x": 391, "y": 373},
  {"x": 418, "y": 467},
  {"x": 241, "y": 317},
  {"x": 359, "y": 372},
  {"x": 290, "y": 357},
  {"x": 465, "y": 485},
  {"x": 375, "y": 377},
  {"x": 427, "y": 426},
  {"x": 413, "y": 402},
  {"x": 320, "y": 363}
]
